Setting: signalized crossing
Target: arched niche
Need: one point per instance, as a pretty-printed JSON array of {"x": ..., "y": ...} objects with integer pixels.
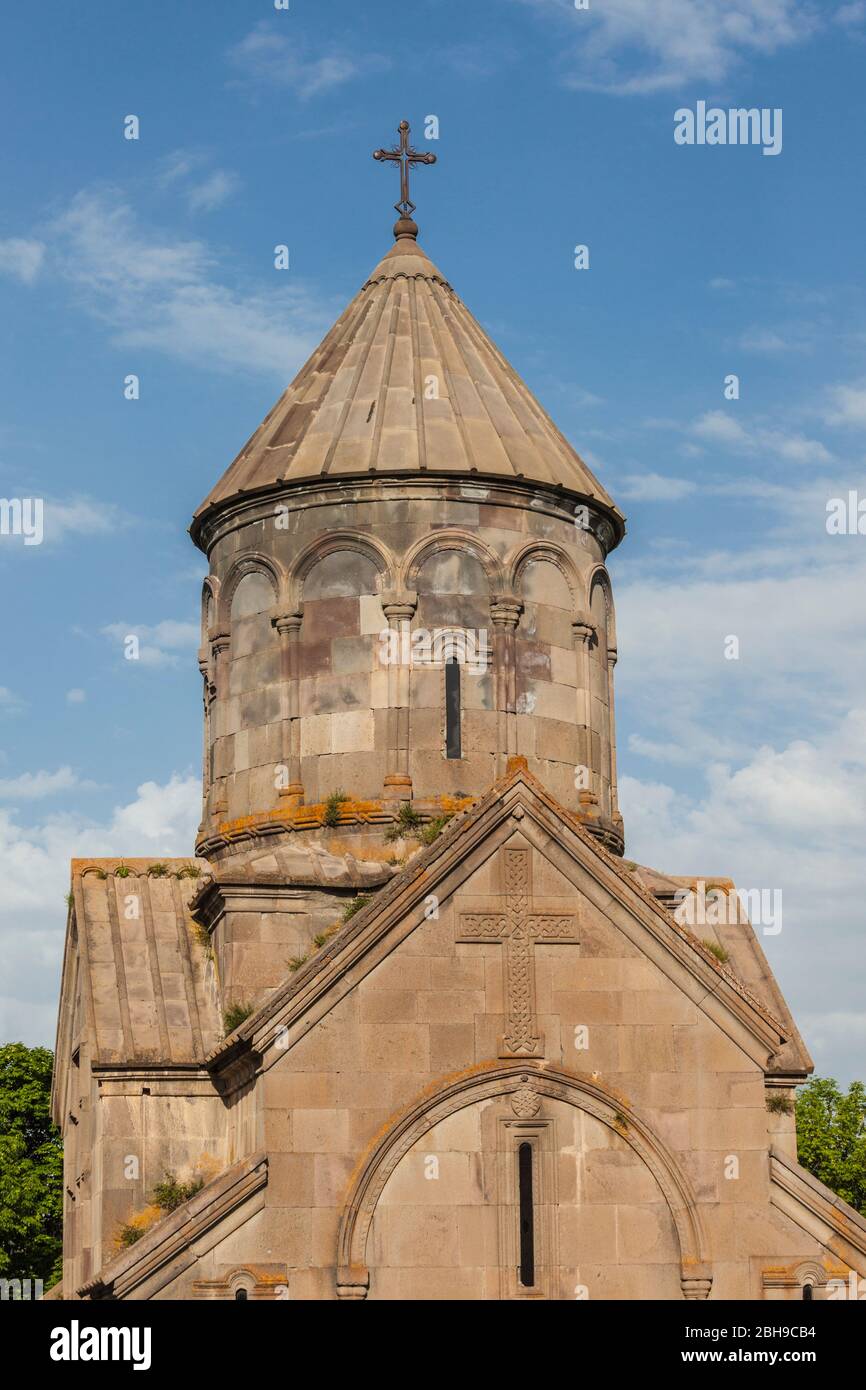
[
  {"x": 594, "y": 1204},
  {"x": 208, "y": 607},
  {"x": 453, "y": 590},
  {"x": 326, "y": 569},
  {"x": 339, "y": 582},
  {"x": 340, "y": 574},
  {"x": 251, "y": 598},
  {"x": 252, "y": 594},
  {"x": 451, "y": 572},
  {"x": 601, "y": 607},
  {"x": 527, "y": 1092},
  {"x": 543, "y": 581}
]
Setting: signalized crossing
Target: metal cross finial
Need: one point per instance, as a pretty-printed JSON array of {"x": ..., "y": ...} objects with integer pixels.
[{"x": 406, "y": 157}]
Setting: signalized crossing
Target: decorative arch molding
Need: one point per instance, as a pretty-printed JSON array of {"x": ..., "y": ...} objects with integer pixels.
[
  {"x": 492, "y": 1081},
  {"x": 452, "y": 538},
  {"x": 252, "y": 562},
  {"x": 554, "y": 555},
  {"x": 322, "y": 546},
  {"x": 210, "y": 593},
  {"x": 788, "y": 1281},
  {"x": 599, "y": 578}
]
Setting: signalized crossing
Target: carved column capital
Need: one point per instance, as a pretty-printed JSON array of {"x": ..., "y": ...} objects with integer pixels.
[
  {"x": 353, "y": 1282},
  {"x": 583, "y": 628},
  {"x": 505, "y": 610},
  {"x": 399, "y": 603},
  {"x": 287, "y": 622},
  {"x": 220, "y": 640},
  {"x": 696, "y": 1287}
]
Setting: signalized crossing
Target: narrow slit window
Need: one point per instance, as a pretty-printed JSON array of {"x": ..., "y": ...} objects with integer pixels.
[
  {"x": 241, "y": 1295},
  {"x": 452, "y": 708},
  {"x": 807, "y": 1292},
  {"x": 527, "y": 1218}
]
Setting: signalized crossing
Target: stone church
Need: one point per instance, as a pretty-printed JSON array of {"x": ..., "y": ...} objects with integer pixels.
[{"x": 406, "y": 1024}]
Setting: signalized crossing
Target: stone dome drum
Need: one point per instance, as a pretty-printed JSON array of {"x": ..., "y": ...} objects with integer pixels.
[{"x": 406, "y": 508}]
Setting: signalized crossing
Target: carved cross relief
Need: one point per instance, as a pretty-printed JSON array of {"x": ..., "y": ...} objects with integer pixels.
[{"x": 518, "y": 929}]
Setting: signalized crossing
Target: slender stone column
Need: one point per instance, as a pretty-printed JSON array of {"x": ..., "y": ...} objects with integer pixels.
[
  {"x": 614, "y": 803},
  {"x": 204, "y": 668},
  {"x": 288, "y": 626},
  {"x": 584, "y": 630},
  {"x": 505, "y": 611},
  {"x": 399, "y": 609},
  {"x": 220, "y": 647}
]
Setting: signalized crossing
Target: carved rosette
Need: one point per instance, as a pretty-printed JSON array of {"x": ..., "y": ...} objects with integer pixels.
[{"x": 525, "y": 1101}]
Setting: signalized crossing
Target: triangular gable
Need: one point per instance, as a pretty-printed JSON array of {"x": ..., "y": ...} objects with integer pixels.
[
  {"x": 818, "y": 1210},
  {"x": 183, "y": 1236},
  {"x": 398, "y": 910}
]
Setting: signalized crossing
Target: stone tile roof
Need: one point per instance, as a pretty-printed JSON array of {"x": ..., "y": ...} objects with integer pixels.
[
  {"x": 299, "y": 865},
  {"x": 359, "y": 405},
  {"x": 171, "y": 1244},
  {"x": 746, "y": 959},
  {"x": 147, "y": 996}
]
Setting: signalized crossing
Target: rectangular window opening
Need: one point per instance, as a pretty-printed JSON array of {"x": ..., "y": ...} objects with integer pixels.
[
  {"x": 527, "y": 1217},
  {"x": 452, "y": 709}
]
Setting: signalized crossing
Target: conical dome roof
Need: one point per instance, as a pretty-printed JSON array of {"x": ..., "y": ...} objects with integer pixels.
[{"x": 406, "y": 382}]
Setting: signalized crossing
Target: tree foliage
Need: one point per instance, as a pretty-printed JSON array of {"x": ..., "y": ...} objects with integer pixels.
[
  {"x": 31, "y": 1168},
  {"x": 831, "y": 1137}
]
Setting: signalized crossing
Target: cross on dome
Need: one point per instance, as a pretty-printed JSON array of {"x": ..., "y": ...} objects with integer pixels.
[{"x": 404, "y": 155}]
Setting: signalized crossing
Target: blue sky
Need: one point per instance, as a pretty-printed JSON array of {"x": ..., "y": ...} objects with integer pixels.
[{"x": 155, "y": 257}]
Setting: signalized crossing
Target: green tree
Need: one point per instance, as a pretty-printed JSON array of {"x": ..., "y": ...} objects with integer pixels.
[
  {"x": 31, "y": 1168},
  {"x": 831, "y": 1137}
]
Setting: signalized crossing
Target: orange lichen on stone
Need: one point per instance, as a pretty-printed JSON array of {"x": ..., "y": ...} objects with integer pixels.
[
  {"x": 136, "y": 867},
  {"x": 451, "y": 805},
  {"x": 140, "y": 1221}
]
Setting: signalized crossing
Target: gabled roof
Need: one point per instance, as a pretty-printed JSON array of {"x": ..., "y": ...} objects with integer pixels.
[
  {"x": 407, "y": 382},
  {"x": 337, "y": 966},
  {"x": 146, "y": 997},
  {"x": 181, "y": 1237},
  {"x": 736, "y": 935}
]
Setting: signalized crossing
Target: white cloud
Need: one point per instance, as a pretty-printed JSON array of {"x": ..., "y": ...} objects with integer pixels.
[
  {"x": 76, "y": 696},
  {"x": 64, "y": 517},
  {"x": 632, "y": 47},
  {"x": 158, "y": 645},
  {"x": 786, "y": 818},
  {"x": 848, "y": 404},
  {"x": 204, "y": 190},
  {"x": 81, "y": 516},
  {"x": 160, "y": 821},
  {"x": 852, "y": 14},
  {"x": 724, "y": 428},
  {"x": 770, "y": 340},
  {"x": 34, "y": 786},
  {"x": 266, "y": 56},
  {"x": 9, "y": 702},
  {"x": 683, "y": 754},
  {"x": 213, "y": 191},
  {"x": 761, "y": 762},
  {"x": 800, "y": 624},
  {"x": 721, "y": 427},
  {"x": 179, "y": 164},
  {"x": 653, "y": 487},
  {"x": 22, "y": 258},
  {"x": 163, "y": 292}
]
